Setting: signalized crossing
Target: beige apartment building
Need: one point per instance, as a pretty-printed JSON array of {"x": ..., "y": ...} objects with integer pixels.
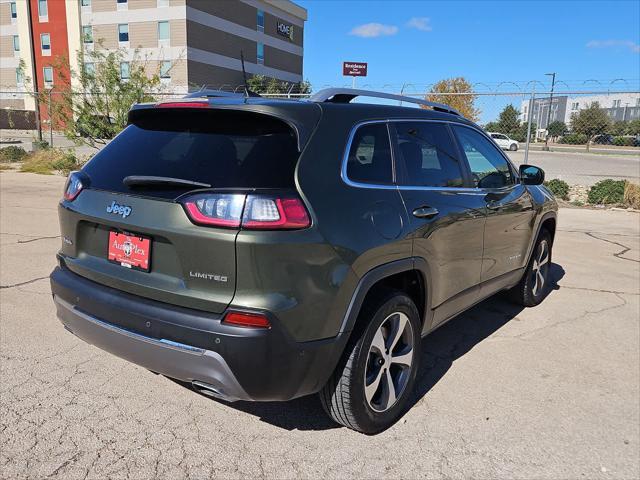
[{"x": 190, "y": 43}]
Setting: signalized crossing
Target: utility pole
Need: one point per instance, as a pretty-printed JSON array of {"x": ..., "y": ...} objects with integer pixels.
[{"x": 546, "y": 137}]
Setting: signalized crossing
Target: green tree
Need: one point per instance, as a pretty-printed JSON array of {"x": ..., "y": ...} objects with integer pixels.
[
  {"x": 521, "y": 134},
  {"x": 619, "y": 128},
  {"x": 509, "y": 121},
  {"x": 465, "y": 104},
  {"x": 557, "y": 129},
  {"x": 634, "y": 127},
  {"x": 491, "y": 127},
  {"x": 263, "y": 84},
  {"x": 99, "y": 111},
  {"x": 590, "y": 121}
]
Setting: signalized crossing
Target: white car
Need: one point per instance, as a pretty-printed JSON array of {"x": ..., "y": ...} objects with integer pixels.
[{"x": 504, "y": 141}]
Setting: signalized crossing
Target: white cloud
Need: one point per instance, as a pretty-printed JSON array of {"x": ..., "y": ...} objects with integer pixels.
[
  {"x": 420, "y": 23},
  {"x": 371, "y": 30},
  {"x": 633, "y": 46}
]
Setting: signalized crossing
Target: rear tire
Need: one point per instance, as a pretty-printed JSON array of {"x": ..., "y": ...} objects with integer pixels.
[
  {"x": 534, "y": 285},
  {"x": 369, "y": 389}
]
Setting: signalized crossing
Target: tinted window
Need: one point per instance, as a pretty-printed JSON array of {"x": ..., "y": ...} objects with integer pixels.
[
  {"x": 370, "y": 155},
  {"x": 428, "y": 155},
  {"x": 489, "y": 169},
  {"x": 226, "y": 149}
]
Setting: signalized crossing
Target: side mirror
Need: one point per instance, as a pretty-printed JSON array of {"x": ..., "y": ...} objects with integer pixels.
[{"x": 530, "y": 175}]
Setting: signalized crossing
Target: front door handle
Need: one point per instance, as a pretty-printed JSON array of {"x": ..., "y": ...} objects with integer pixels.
[{"x": 425, "y": 212}]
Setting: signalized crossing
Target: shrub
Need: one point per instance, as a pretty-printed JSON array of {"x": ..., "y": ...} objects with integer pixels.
[
  {"x": 632, "y": 195},
  {"x": 40, "y": 144},
  {"x": 623, "y": 141},
  {"x": 12, "y": 153},
  {"x": 574, "y": 139},
  {"x": 606, "y": 192},
  {"x": 49, "y": 160},
  {"x": 559, "y": 188}
]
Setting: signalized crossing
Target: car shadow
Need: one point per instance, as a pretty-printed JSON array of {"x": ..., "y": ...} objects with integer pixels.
[{"x": 439, "y": 350}]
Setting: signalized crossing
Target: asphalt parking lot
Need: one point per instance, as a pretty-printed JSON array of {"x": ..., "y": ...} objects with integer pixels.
[{"x": 546, "y": 392}]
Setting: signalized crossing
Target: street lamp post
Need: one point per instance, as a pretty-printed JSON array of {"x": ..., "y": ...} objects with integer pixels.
[{"x": 546, "y": 138}]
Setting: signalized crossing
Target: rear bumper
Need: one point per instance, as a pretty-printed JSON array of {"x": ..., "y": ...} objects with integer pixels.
[{"x": 232, "y": 363}]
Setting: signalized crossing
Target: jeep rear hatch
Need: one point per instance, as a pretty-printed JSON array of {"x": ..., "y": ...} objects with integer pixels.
[{"x": 179, "y": 177}]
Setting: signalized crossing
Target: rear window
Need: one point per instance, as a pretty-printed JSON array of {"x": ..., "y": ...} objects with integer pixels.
[{"x": 222, "y": 148}]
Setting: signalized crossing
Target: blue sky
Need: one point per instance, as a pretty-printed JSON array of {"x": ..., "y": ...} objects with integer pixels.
[{"x": 421, "y": 42}]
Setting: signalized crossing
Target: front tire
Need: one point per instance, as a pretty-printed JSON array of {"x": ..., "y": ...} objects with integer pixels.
[
  {"x": 513, "y": 147},
  {"x": 371, "y": 385},
  {"x": 534, "y": 285}
]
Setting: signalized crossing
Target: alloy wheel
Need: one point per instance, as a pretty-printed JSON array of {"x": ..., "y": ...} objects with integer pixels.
[
  {"x": 389, "y": 362},
  {"x": 540, "y": 268}
]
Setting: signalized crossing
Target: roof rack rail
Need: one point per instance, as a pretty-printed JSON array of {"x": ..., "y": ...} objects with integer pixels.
[
  {"x": 213, "y": 93},
  {"x": 345, "y": 95}
]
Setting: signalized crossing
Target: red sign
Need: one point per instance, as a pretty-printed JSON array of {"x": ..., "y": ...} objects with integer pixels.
[
  {"x": 131, "y": 251},
  {"x": 354, "y": 69}
]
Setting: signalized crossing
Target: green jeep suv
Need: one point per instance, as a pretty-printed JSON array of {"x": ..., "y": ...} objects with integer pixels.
[{"x": 266, "y": 249}]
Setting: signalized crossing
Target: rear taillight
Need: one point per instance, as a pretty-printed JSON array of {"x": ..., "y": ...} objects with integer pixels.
[
  {"x": 244, "y": 319},
  {"x": 251, "y": 212},
  {"x": 73, "y": 187}
]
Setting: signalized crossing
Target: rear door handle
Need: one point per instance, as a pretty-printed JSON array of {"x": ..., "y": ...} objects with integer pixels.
[{"x": 425, "y": 212}]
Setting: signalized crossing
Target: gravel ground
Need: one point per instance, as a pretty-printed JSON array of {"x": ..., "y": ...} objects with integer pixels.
[{"x": 547, "y": 392}]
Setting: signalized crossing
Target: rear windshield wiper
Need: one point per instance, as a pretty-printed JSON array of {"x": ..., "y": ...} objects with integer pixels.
[{"x": 148, "y": 180}]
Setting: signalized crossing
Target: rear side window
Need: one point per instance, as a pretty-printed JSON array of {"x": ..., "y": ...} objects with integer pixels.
[
  {"x": 427, "y": 152},
  {"x": 369, "y": 158},
  {"x": 489, "y": 169},
  {"x": 222, "y": 148}
]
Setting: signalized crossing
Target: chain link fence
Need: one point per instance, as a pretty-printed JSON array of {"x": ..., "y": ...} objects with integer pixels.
[{"x": 517, "y": 120}]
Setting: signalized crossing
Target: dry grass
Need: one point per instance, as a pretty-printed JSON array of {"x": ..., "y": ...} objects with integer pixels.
[
  {"x": 41, "y": 161},
  {"x": 632, "y": 195}
]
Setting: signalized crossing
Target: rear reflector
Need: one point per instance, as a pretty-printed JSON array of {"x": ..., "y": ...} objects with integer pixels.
[
  {"x": 251, "y": 212},
  {"x": 244, "y": 319}
]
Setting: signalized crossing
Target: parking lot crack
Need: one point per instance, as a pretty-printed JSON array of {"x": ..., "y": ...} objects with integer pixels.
[
  {"x": 619, "y": 254},
  {"x": 38, "y": 238},
  {"x": 13, "y": 285}
]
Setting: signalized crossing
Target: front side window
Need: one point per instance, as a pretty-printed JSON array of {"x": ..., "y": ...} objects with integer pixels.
[
  {"x": 123, "y": 32},
  {"x": 489, "y": 169},
  {"x": 165, "y": 69},
  {"x": 14, "y": 11},
  {"x": 124, "y": 70},
  {"x": 45, "y": 42},
  {"x": 163, "y": 31},
  {"x": 87, "y": 34},
  {"x": 16, "y": 43},
  {"x": 428, "y": 155},
  {"x": 47, "y": 73},
  {"x": 260, "y": 53},
  {"x": 369, "y": 159},
  {"x": 43, "y": 8},
  {"x": 260, "y": 21}
]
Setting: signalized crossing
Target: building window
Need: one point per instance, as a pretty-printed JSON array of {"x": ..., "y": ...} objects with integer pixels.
[
  {"x": 85, "y": 3},
  {"x": 163, "y": 32},
  {"x": 575, "y": 106},
  {"x": 14, "y": 12},
  {"x": 19, "y": 76},
  {"x": 124, "y": 71},
  {"x": 45, "y": 44},
  {"x": 123, "y": 32},
  {"x": 616, "y": 103},
  {"x": 165, "y": 69},
  {"x": 87, "y": 34},
  {"x": 163, "y": 3},
  {"x": 89, "y": 68},
  {"x": 637, "y": 102},
  {"x": 260, "y": 53},
  {"x": 16, "y": 43},
  {"x": 43, "y": 10},
  {"x": 260, "y": 21},
  {"x": 122, "y": 5},
  {"x": 48, "y": 76}
]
